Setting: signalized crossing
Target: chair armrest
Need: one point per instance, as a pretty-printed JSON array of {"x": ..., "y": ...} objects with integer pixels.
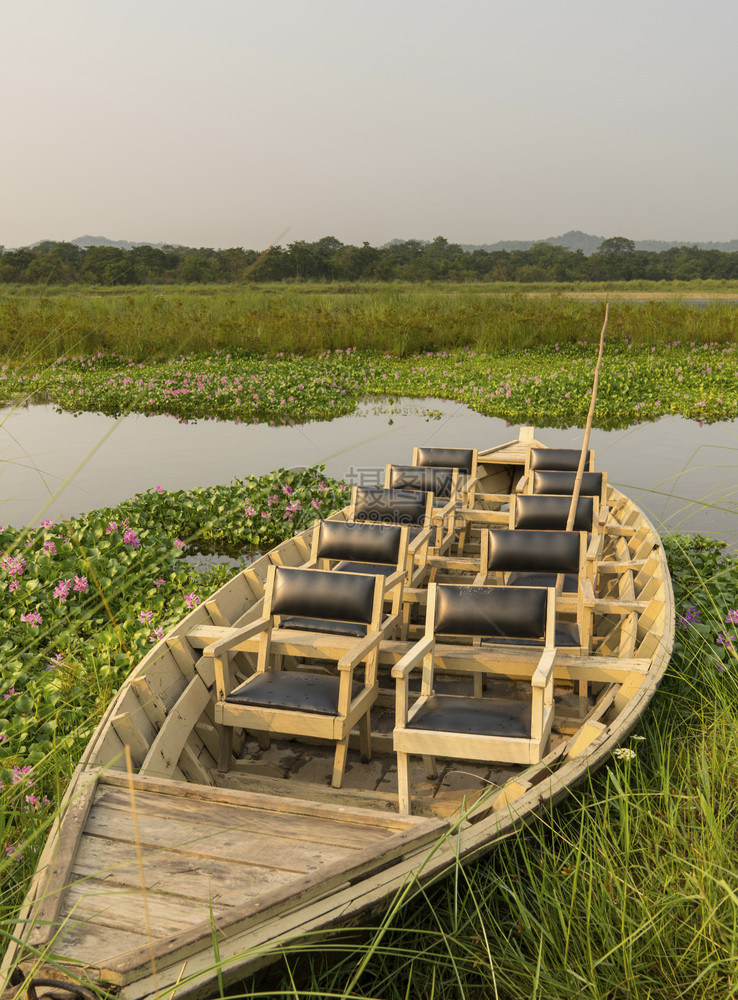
[
  {"x": 522, "y": 484},
  {"x": 442, "y": 513},
  {"x": 360, "y": 651},
  {"x": 391, "y": 581},
  {"x": 588, "y": 591},
  {"x": 239, "y": 635},
  {"x": 595, "y": 547},
  {"x": 414, "y": 657},
  {"x": 419, "y": 541},
  {"x": 604, "y": 514},
  {"x": 544, "y": 670}
]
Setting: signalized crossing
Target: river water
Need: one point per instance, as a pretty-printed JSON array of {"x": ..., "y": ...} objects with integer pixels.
[{"x": 54, "y": 465}]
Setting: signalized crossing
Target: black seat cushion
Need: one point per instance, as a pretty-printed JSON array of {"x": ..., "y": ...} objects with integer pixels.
[
  {"x": 321, "y": 594},
  {"x": 359, "y": 540},
  {"x": 562, "y": 483},
  {"x": 534, "y": 551},
  {"x": 571, "y": 580},
  {"x": 550, "y": 513},
  {"x": 496, "y": 612},
  {"x": 353, "y": 629},
  {"x": 559, "y": 459},
  {"x": 428, "y": 479},
  {"x": 387, "y": 506},
  {"x": 455, "y": 458},
  {"x": 474, "y": 716},
  {"x": 566, "y": 634},
  {"x": 376, "y": 569},
  {"x": 314, "y": 693}
]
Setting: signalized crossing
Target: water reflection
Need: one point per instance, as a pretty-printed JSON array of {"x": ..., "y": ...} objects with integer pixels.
[{"x": 681, "y": 473}]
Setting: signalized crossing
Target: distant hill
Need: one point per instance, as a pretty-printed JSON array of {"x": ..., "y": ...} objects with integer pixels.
[
  {"x": 577, "y": 240},
  {"x": 103, "y": 241}
]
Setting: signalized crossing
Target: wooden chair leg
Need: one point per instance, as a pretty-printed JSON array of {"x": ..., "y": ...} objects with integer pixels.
[
  {"x": 339, "y": 762},
  {"x": 583, "y": 700},
  {"x": 431, "y": 771},
  {"x": 225, "y": 749},
  {"x": 365, "y": 737},
  {"x": 403, "y": 783}
]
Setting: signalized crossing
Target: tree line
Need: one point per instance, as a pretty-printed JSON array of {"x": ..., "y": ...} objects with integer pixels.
[{"x": 327, "y": 259}]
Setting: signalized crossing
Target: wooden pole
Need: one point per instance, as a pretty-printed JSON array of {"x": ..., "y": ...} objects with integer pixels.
[
  {"x": 587, "y": 428},
  {"x": 585, "y": 446}
]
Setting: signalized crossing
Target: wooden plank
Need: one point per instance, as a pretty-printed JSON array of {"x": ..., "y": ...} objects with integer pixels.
[
  {"x": 202, "y": 879},
  {"x": 132, "y": 737},
  {"x": 103, "y": 905},
  {"x": 233, "y": 598},
  {"x": 257, "y": 800},
  {"x": 184, "y": 655},
  {"x": 241, "y": 847},
  {"x": 152, "y": 704},
  {"x": 74, "y": 944},
  {"x": 325, "y": 830},
  {"x": 167, "y": 747},
  {"x": 584, "y": 738},
  {"x": 512, "y": 791},
  {"x": 319, "y": 883},
  {"x": 192, "y": 765},
  {"x": 68, "y": 831}
]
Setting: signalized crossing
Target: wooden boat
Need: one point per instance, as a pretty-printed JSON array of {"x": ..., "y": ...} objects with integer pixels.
[{"x": 163, "y": 876}]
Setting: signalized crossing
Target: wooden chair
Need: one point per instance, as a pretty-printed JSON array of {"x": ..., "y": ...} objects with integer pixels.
[
  {"x": 413, "y": 508},
  {"x": 361, "y": 547},
  {"x": 480, "y": 728},
  {"x": 463, "y": 459},
  {"x": 442, "y": 482},
  {"x": 557, "y": 459},
  {"x": 537, "y": 559},
  {"x": 542, "y": 512},
  {"x": 554, "y": 482},
  {"x": 308, "y": 613}
]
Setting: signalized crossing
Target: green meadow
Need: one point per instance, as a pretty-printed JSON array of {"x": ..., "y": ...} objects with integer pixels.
[{"x": 627, "y": 891}]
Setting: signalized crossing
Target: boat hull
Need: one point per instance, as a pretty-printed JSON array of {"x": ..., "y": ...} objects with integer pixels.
[{"x": 163, "y": 874}]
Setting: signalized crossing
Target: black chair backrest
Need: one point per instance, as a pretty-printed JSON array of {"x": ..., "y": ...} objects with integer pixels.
[
  {"x": 456, "y": 458},
  {"x": 374, "y": 504},
  {"x": 558, "y": 459},
  {"x": 550, "y": 513},
  {"x": 534, "y": 551},
  {"x": 502, "y": 612},
  {"x": 315, "y": 593},
  {"x": 418, "y": 477},
  {"x": 359, "y": 542},
  {"x": 562, "y": 483}
]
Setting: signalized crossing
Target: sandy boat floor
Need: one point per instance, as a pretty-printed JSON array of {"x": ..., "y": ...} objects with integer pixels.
[{"x": 303, "y": 769}]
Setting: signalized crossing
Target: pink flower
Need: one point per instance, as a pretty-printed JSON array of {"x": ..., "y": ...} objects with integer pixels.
[
  {"x": 159, "y": 581},
  {"x": 62, "y": 590},
  {"x": 111, "y": 528},
  {"x": 80, "y": 584},
  {"x": 48, "y": 524},
  {"x": 732, "y": 618},
  {"x": 192, "y": 600},
  {"x": 130, "y": 538},
  {"x": 33, "y": 618},
  {"x": 287, "y": 490},
  {"x": 159, "y": 489},
  {"x": 50, "y": 548},
  {"x": 179, "y": 543},
  {"x": 157, "y": 634},
  {"x": 146, "y": 616},
  {"x": 315, "y": 503}
]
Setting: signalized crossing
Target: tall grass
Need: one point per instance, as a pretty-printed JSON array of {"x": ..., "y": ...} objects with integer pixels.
[{"x": 398, "y": 319}]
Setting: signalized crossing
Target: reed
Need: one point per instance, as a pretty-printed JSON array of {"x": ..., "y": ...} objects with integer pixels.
[{"x": 401, "y": 320}]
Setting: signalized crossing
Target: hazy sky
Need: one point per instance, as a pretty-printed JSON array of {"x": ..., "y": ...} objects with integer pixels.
[{"x": 241, "y": 123}]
